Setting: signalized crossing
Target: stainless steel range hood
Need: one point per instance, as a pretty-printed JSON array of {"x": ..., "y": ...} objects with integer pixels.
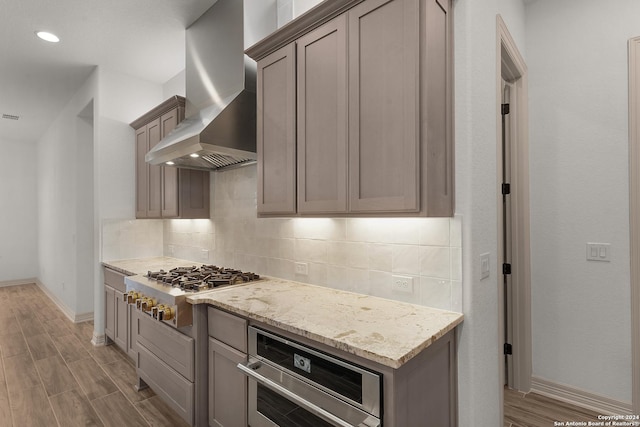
[{"x": 219, "y": 131}]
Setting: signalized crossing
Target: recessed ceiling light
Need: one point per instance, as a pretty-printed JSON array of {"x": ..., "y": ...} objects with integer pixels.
[
  {"x": 194, "y": 155},
  {"x": 170, "y": 163},
  {"x": 46, "y": 36}
]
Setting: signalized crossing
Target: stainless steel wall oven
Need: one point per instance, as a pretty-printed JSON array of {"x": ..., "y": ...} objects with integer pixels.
[{"x": 291, "y": 384}]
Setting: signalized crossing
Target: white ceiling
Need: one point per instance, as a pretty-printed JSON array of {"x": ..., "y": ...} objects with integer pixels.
[{"x": 142, "y": 38}]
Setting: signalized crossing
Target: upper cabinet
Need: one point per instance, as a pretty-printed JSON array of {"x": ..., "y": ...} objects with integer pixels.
[
  {"x": 372, "y": 114},
  {"x": 163, "y": 191}
]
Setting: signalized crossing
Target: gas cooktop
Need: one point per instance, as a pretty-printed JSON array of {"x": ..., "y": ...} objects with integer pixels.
[{"x": 203, "y": 278}]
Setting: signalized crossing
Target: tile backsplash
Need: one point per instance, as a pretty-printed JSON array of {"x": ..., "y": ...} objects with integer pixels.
[
  {"x": 127, "y": 238},
  {"x": 354, "y": 254}
]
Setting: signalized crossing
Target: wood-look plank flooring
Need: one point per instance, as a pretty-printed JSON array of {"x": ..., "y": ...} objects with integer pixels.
[
  {"x": 535, "y": 410},
  {"x": 51, "y": 374}
]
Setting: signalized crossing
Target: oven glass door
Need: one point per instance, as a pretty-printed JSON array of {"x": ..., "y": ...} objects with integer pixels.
[
  {"x": 342, "y": 379},
  {"x": 273, "y": 409}
]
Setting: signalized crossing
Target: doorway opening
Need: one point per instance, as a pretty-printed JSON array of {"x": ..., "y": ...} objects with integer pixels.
[{"x": 513, "y": 212}]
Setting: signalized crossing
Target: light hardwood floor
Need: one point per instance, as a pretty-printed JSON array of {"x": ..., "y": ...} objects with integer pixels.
[
  {"x": 51, "y": 374},
  {"x": 534, "y": 410}
]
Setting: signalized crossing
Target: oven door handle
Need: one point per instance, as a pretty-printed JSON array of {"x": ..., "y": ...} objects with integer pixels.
[{"x": 249, "y": 369}]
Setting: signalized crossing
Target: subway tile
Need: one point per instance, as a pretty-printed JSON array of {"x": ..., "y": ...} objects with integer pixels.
[
  {"x": 311, "y": 250},
  {"x": 406, "y": 231},
  {"x": 337, "y": 253},
  {"x": 456, "y": 296},
  {"x": 337, "y": 277},
  {"x": 359, "y": 280},
  {"x": 456, "y": 264},
  {"x": 455, "y": 231},
  {"x": 435, "y": 293},
  {"x": 380, "y": 256},
  {"x": 435, "y": 262},
  {"x": 435, "y": 232},
  {"x": 406, "y": 259},
  {"x": 357, "y": 255},
  {"x": 320, "y": 228}
]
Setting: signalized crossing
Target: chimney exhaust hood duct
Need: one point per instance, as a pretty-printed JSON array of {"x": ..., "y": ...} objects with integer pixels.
[{"x": 219, "y": 131}]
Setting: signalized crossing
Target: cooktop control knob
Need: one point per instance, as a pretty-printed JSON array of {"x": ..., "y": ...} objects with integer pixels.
[
  {"x": 166, "y": 314},
  {"x": 148, "y": 303},
  {"x": 132, "y": 296}
]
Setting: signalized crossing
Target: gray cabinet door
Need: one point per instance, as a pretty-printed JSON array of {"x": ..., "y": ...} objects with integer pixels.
[
  {"x": 132, "y": 327},
  {"x": 437, "y": 109},
  {"x": 276, "y": 132},
  {"x": 168, "y": 122},
  {"x": 110, "y": 312},
  {"x": 194, "y": 194},
  {"x": 121, "y": 326},
  {"x": 322, "y": 119},
  {"x": 142, "y": 173},
  {"x": 154, "y": 209},
  {"x": 384, "y": 137},
  {"x": 227, "y": 386}
]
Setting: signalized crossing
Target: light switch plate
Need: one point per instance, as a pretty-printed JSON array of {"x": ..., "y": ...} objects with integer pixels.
[
  {"x": 485, "y": 266},
  {"x": 204, "y": 254},
  {"x": 599, "y": 252}
]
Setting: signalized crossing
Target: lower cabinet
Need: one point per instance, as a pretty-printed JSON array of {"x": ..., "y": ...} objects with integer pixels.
[
  {"x": 166, "y": 363},
  {"x": 110, "y": 312},
  {"x": 116, "y": 309},
  {"x": 227, "y": 384},
  {"x": 121, "y": 314}
]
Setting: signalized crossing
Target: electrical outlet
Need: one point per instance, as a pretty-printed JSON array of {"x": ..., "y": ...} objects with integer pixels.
[
  {"x": 402, "y": 284},
  {"x": 170, "y": 249},
  {"x": 302, "y": 268},
  {"x": 204, "y": 254}
]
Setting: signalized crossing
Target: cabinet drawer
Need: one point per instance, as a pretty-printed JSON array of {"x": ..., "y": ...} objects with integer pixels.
[
  {"x": 227, "y": 328},
  {"x": 114, "y": 279},
  {"x": 169, "y": 345},
  {"x": 176, "y": 391}
]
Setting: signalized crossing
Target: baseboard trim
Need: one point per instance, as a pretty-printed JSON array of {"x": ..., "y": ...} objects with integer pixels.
[
  {"x": 70, "y": 314},
  {"x": 578, "y": 397},
  {"x": 99, "y": 340},
  {"x": 6, "y": 283}
]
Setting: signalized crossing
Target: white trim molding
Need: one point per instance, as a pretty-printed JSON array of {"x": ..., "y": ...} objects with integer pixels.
[
  {"x": 511, "y": 66},
  {"x": 70, "y": 314},
  {"x": 20, "y": 282},
  {"x": 575, "y": 396},
  {"x": 634, "y": 215},
  {"x": 99, "y": 340}
]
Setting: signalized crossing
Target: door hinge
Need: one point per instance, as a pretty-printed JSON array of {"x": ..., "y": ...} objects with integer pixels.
[
  {"x": 504, "y": 109},
  {"x": 506, "y": 268},
  {"x": 506, "y": 189},
  {"x": 508, "y": 349}
]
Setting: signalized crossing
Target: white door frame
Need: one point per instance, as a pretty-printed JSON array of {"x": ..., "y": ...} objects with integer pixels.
[
  {"x": 634, "y": 215},
  {"x": 511, "y": 66}
]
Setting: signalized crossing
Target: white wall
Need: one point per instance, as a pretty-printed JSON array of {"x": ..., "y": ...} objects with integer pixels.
[
  {"x": 577, "y": 57},
  {"x": 480, "y": 343},
  {"x": 86, "y": 168},
  {"x": 64, "y": 163},
  {"x": 19, "y": 225},
  {"x": 175, "y": 86}
]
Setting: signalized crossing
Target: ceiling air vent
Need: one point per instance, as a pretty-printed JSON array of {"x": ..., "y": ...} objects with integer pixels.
[{"x": 10, "y": 117}]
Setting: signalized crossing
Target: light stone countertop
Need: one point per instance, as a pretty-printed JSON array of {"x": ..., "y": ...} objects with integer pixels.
[
  {"x": 381, "y": 330},
  {"x": 139, "y": 266}
]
